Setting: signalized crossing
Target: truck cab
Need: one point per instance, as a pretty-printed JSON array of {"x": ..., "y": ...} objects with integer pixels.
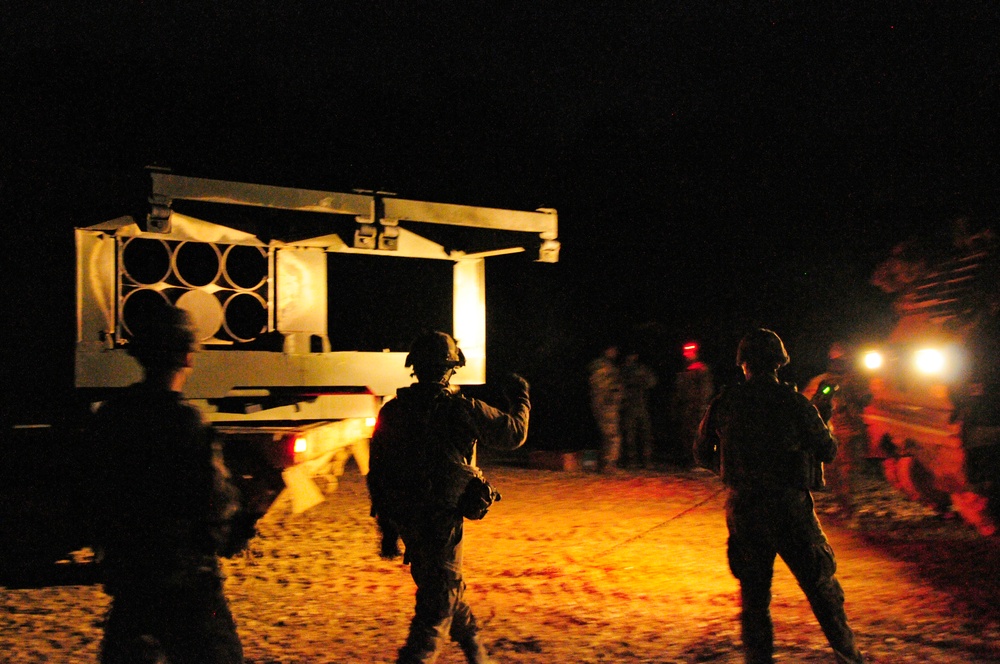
[{"x": 934, "y": 418}]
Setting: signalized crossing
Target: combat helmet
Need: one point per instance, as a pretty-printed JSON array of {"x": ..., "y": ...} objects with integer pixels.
[
  {"x": 435, "y": 349},
  {"x": 163, "y": 339},
  {"x": 762, "y": 348}
]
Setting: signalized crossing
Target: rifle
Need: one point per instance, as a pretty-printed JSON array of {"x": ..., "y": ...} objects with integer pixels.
[
  {"x": 258, "y": 484},
  {"x": 823, "y": 400}
]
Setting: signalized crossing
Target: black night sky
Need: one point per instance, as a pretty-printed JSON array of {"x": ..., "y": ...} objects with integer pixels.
[{"x": 714, "y": 168}]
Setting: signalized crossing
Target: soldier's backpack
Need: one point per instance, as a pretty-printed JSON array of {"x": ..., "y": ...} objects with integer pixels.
[{"x": 420, "y": 460}]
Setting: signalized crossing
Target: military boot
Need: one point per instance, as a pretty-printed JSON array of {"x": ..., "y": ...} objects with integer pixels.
[
  {"x": 849, "y": 658},
  {"x": 475, "y": 651},
  {"x": 409, "y": 654},
  {"x": 422, "y": 645}
]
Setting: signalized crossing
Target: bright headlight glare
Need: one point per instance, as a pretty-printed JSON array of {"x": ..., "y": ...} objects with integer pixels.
[
  {"x": 929, "y": 361},
  {"x": 872, "y": 359}
]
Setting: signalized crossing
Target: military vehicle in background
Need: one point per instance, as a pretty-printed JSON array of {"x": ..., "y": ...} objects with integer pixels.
[
  {"x": 935, "y": 415},
  {"x": 304, "y": 302}
]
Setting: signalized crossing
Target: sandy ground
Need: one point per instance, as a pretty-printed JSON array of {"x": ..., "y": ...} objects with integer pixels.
[{"x": 574, "y": 568}]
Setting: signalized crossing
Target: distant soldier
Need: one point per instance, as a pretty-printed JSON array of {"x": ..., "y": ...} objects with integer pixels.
[
  {"x": 606, "y": 393},
  {"x": 163, "y": 512},
  {"x": 764, "y": 438},
  {"x": 841, "y": 395},
  {"x": 693, "y": 390},
  {"x": 423, "y": 483},
  {"x": 636, "y": 423}
]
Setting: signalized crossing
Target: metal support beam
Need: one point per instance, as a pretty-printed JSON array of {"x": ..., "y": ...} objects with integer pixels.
[
  {"x": 259, "y": 195},
  {"x": 544, "y": 223},
  {"x": 383, "y": 212},
  {"x": 172, "y": 187}
]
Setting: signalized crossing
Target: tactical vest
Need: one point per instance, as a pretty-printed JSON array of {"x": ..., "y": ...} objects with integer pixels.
[
  {"x": 420, "y": 456},
  {"x": 764, "y": 443}
]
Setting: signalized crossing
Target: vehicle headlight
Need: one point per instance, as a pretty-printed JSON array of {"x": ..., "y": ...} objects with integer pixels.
[
  {"x": 872, "y": 360},
  {"x": 929, "y": 361}
]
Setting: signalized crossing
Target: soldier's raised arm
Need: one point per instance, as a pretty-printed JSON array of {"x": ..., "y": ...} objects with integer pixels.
[{"x": 504, "y": 430}]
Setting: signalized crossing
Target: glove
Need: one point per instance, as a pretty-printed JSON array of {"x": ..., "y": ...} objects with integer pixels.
[
  {"x": 477, "y": 498},
  {"x": 389, "y": 541},
  {"x": 242, "y": 528},
  {"x": 515, "y": 387}
]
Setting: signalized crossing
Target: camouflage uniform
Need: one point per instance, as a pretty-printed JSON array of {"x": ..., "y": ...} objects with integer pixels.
[
  {"x": 606, "y": 394},
  {"x": 848, "y": 428},
  {"x": 421, "y": 463},
  {"x": 764, "y": 437},
  {"x": 636, "y": 425},
  {"x": 162, "y": 514},
  {"x": 693, "y": 391}
]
